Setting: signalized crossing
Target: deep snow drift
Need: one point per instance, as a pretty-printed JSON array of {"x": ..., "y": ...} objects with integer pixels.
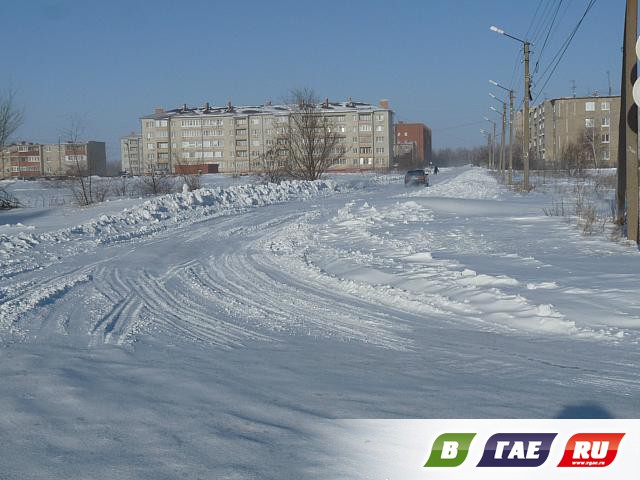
[{"x": 207, "y": 334}]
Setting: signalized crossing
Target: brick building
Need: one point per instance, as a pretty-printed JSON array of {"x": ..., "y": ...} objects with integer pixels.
[{"x": 417, "y": 134}]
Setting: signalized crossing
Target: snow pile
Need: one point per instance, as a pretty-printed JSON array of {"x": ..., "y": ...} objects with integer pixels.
[
  {"x": 475, "y": 183},
  {"x": 158, "y": 213}
]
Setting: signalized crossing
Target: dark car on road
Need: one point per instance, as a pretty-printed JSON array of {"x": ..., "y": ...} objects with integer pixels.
[{"x": 416, "y": 177}]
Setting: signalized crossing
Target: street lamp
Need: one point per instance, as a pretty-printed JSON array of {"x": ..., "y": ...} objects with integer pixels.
[
  {"x": 502, "y": 165},
  {"x": 493, "y": 139},
  {"x": 527, "y": 87},
  {"x": 511, "y": 123},
  {"x": 488, "y": 135}
]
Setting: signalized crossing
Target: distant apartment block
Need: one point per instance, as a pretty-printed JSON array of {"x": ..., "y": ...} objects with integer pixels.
[
  {"x": 29, "y": 160},
  {"x": 131, "y": 154},
  {"x": 236, "y": 137},
  {"x": 558, "y": 122},
  {"x": 413, "y": 144}
]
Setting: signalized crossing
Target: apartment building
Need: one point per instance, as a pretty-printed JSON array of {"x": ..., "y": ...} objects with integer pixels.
[
  {"x": 236, "y": 137},
  {"x": 589, "y": 121},
  {"x": 131, "y": 154},
  {"x": 419, "y": 135},
  {"x": 21, "y": 160},
  {"x": 29, "y": 160}
]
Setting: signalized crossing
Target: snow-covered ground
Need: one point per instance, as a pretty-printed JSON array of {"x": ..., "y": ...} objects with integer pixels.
[{"x": 207, "y": 334}]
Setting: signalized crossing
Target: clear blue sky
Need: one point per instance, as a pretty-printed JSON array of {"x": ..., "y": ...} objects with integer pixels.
[{"x": 112, "y": 61}]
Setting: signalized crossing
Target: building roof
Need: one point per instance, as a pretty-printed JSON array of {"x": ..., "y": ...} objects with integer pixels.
[{"x": 186, "y": 111}]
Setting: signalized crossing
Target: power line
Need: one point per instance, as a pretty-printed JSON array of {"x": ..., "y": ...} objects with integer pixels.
[
  {"x": 558, "y": 57},
  {"x": 546, "y": 39}
]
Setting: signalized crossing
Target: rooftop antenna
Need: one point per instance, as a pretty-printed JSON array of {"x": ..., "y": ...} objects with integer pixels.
[
  {"x": 573, "y": 88},
  {"x": 609, "y": 81}
]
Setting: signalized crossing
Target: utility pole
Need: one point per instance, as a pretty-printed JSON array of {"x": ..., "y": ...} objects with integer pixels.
[
  {"x": 527, "y": 88},
  {"x": 503, "y": 165},
  {"x": 493, "y": 147},
  {"x": 527, "y": 92},
  {"x": 511, "y": 100},
  {"x": 511, "y": 124},
  {"x": 492, "y": 157},
  {"x": 627, "y": 191}
]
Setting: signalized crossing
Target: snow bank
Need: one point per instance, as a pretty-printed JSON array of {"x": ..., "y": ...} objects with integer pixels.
[{"x": 161, "y": 212}]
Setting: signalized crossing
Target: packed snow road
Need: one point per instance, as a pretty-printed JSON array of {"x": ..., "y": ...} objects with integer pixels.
[{"x": 202, "y": 338}]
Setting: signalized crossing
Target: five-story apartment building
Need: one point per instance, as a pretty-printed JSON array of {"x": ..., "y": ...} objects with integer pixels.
[
  {"x": 588, "y": 121},
  {"x": 236, "y": 138}
]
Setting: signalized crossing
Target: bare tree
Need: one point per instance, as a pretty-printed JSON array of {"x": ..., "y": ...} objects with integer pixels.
[
  {"x": 272, "y": 166},
  {"x": 574, "y": 158},
  {"x": 590, "y": 141},
  {"x": 79, "y": 171},
  {"x": 11, "y": 118},
  {"x": 309, "y": 142},
  {"x": 156, "y": 181}
]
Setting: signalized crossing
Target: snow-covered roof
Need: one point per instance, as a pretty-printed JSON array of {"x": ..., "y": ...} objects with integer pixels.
[{"x": 283, "y": 109}]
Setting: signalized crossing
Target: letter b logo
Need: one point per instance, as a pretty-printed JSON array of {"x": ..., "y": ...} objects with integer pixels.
[{"x": 450, "y": 450}]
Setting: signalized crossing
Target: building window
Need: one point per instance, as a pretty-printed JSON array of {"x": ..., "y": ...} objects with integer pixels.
[
  {"x": 405, "y": 134},
  {"x": 590, "y": 106},
  {"x": 255, "y": 143},
  {"x": 606, "y": 122},
  {"x": 380, "y": 118},
  {"x": 365, "y": 128},
  {"x": 150, "y": 146},
  {"x": 588, "y": 122},
  {"x": 379, "y": 139},
  {"x": 380, "y": 150},
  {"x": 605, "y": 106},
  {"x": 163, "y": 145},
  {"x": 241, "y": 121},
  {"x": 605, "y": 155},
  {"x": 365, "y": 117},
  {"x": 605, "y": 138},
  {"x": 366, "y": 149}
]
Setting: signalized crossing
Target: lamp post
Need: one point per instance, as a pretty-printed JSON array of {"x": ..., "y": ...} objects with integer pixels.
[
  {"x": 503, "y": 166},
  {"x": 527, "y": 93},
  {"x": 488, "y": 135},
  {"x": 493, "y": 140},
  {"x": 511, "y": 123}
]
